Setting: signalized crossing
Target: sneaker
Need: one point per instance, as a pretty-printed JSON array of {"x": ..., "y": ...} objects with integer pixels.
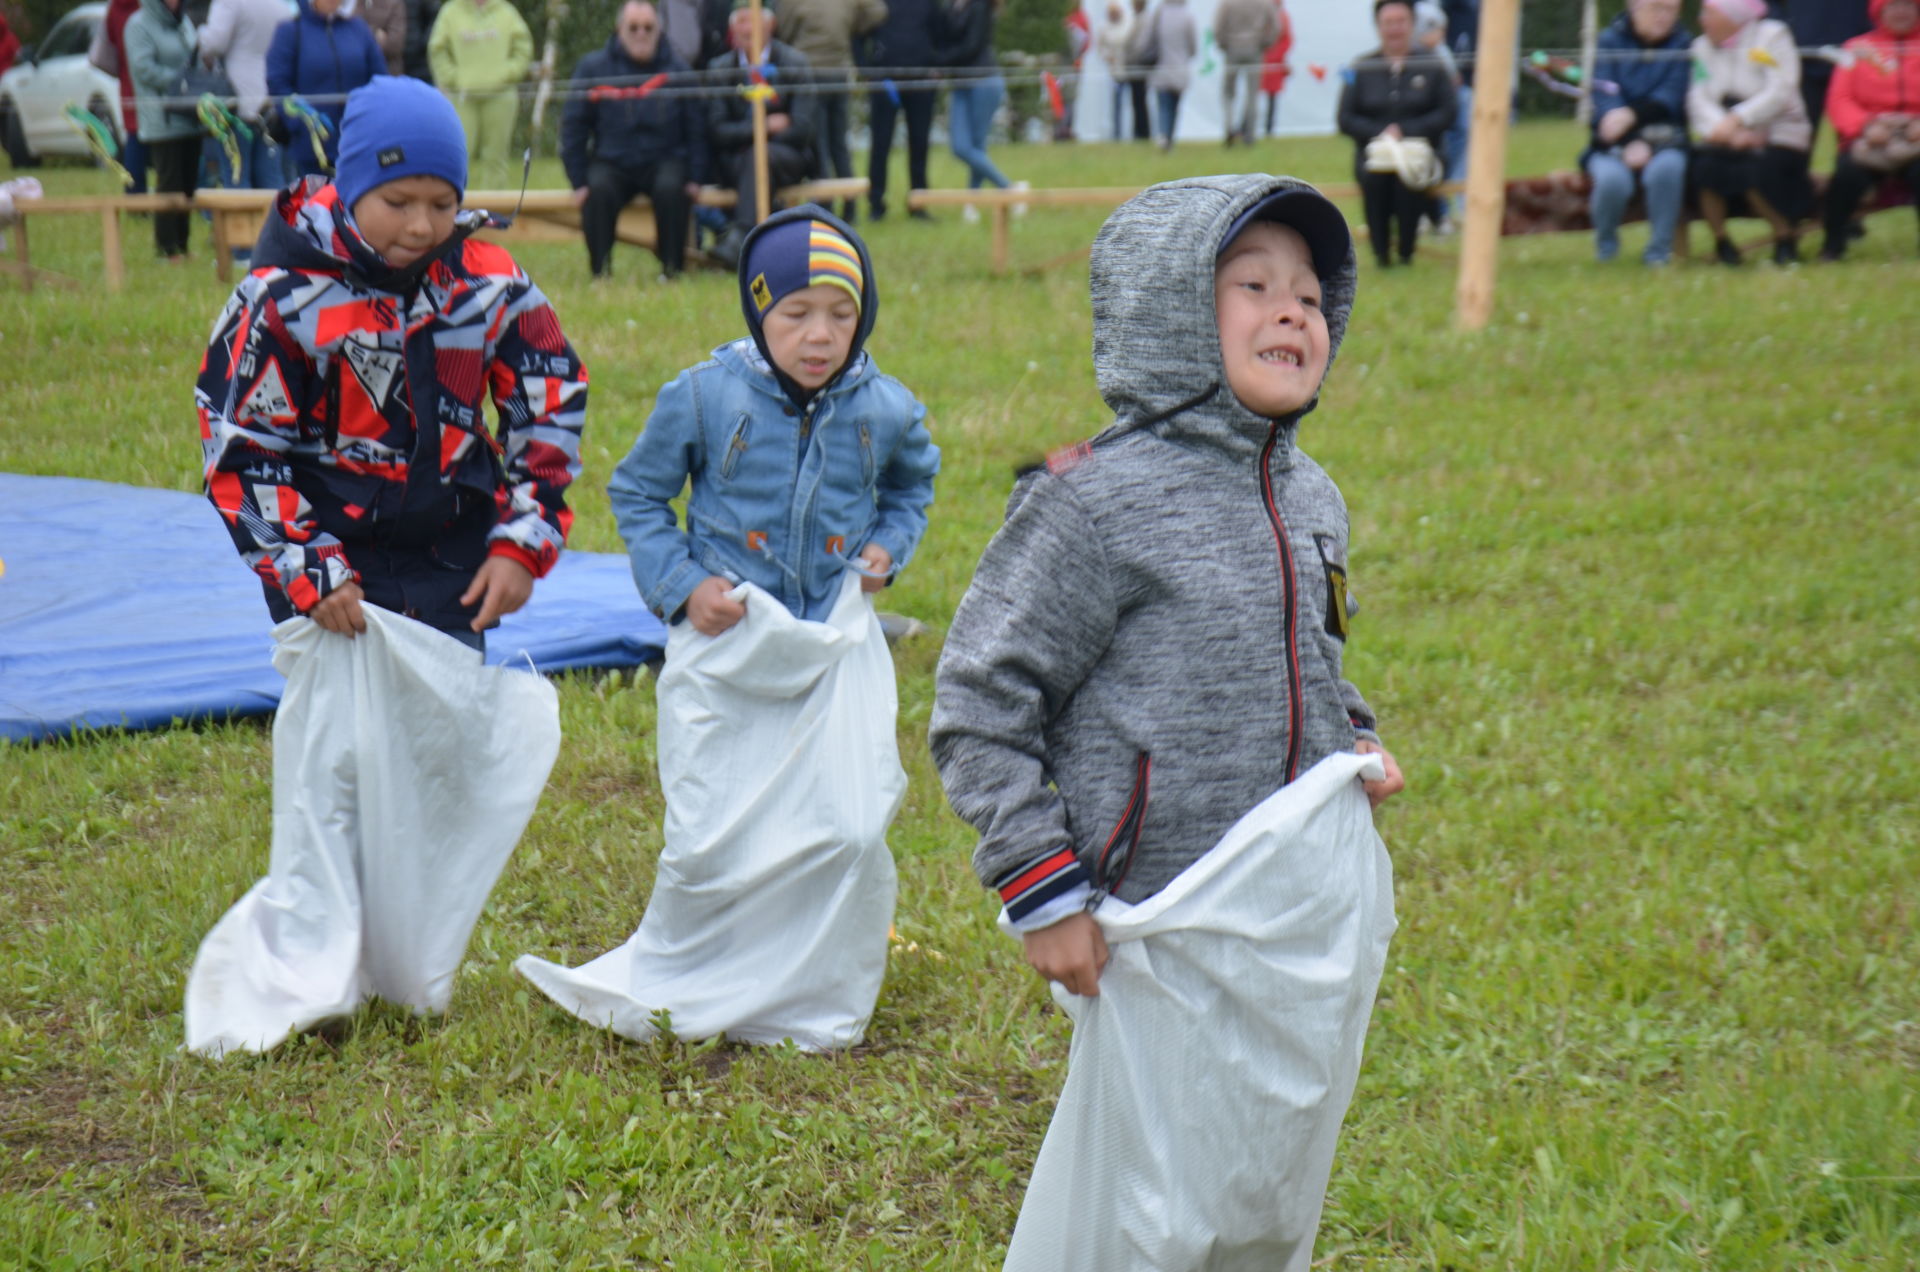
[
  {"x": 1833, "y": 250},
  {"x": 1725, "y": 252},
  {"x": 919, "y": 214},
  {"x": 726, "y": 249},
  {"x": 969, "y": 214},
  {"x": 1786, "y": 251},
  {"x": 877, "y": 211},
  {"x": 1020, "y": 209}
]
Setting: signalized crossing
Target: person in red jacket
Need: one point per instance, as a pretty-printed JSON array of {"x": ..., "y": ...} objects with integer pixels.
[
  {"x": 9, "y": 45},
  {"x": 1874, "y": 104},
  {"x": 133, "y": 155},
  {"x": 1273, "y": 66}
]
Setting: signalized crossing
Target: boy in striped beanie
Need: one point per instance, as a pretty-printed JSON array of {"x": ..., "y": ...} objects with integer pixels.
[{"x": 810, "y": 475}]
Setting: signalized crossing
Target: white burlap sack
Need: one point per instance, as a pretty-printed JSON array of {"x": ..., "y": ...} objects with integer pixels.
[
  {"x": 775, "y": 889},
  {"x": 1207, "y": 1080},
  {"x": 403, "y": 774}
]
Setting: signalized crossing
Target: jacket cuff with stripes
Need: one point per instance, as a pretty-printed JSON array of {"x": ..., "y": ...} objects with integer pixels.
[{"x": 1041, "y": 893}]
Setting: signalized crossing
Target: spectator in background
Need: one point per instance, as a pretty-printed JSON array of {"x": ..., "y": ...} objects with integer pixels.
[
  {"x": 1750, "y": 130},
  {"x": 9, "y": 45},
  {"x": 1875, "y": 106},
  {"x": 481, "y": 50},
  {"x": 1398, "y": 102},
  {"x": 697, "y": 29},
  {"x": 1822, "y": 24},
  {"x": 321, "y": 55},
  {"x": 966, "y": 45},
  {"x": 824, "y": 31},
  {"x": 133, "y": 151},
  {"x": 1111, "y": 45},
  {"x": 1079, "y": 39},
  {"x": 1174, "y": 39},
  {"x": 904, "y": 41},
  {"x": 1639, "y": 125},
  {"x": 1244, "y": 30},
  {"x": 1430, "y": 34},
  {"x": 1273, "y": 64},
  {"x": 160, "y": 42},
  {"x": 421, "y": 15},
  {"x": 238, "y": 34},
  {"x": 618, "y": 139},
  {"x": 388, "y": 20},
  {"x": 783, "y": 69},
  {"x": 1139, "y": 62}
]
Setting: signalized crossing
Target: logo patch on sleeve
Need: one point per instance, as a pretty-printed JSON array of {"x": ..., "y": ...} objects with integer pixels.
[
  {"x": 1333, "y": 562},
  {"x": 391, "y": 156}
]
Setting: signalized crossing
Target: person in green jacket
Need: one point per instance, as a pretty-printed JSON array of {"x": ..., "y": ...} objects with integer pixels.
[{"x": 480, "y": 50}]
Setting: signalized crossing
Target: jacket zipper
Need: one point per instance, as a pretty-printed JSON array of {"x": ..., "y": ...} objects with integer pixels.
[
  {"x": 1289, "y": 586},
  {"x": 1108, "y": 872}
]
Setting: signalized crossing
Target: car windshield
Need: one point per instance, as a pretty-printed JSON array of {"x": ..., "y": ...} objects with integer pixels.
[{"x": 70, "y": 37}]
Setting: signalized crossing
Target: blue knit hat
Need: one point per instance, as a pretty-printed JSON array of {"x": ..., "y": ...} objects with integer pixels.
[
  {"x": 793, "y": 255},
  {"x": 398, "y": 127}
]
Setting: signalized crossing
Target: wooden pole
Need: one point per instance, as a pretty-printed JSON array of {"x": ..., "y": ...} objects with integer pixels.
[
  {"x": 20, "y": 252},
  {"x": 110, "y": 248},
  {"x": 1487, "y": 161},
  {"x": 1589, "y": 45},
  {"x": 762, "y": 196}
]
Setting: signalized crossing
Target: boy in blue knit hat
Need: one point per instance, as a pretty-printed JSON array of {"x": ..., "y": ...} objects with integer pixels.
[
  {"x": 342, "y": 399},
  {"x": 808, "y": 467},
  {"x": 346, "y": 445}
]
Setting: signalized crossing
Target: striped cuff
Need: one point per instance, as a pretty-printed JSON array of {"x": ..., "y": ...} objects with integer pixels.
[{"x": 1034, "y": 885}]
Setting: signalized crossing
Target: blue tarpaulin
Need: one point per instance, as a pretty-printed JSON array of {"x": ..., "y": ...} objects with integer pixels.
[{"x": 126, "y": 607}]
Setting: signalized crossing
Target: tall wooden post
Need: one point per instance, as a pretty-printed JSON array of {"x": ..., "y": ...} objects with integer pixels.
[
  {"x": 1589, "y": 48},
  {"x": 762, "y": 197},
  {"x": 1487, "y": 161}
]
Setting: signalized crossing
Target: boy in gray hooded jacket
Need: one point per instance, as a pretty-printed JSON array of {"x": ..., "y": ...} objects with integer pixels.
[{"x": 1151, "y": 644}]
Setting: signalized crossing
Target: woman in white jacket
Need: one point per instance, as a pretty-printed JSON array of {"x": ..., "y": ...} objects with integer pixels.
[
  {"x": 237, "y": 34},
  {"x": 1750, "y": 128}
]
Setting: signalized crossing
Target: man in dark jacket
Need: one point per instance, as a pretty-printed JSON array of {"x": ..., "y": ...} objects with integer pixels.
[
  {"x": 905, "y": 39},
  {"x": 785, "y": 77},
  {"x": 1820, "y": 24},
  {"x": 620, "y": 137}
]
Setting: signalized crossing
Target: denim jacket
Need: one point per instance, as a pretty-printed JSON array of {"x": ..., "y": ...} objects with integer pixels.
[{"x": 781, "y": 497}]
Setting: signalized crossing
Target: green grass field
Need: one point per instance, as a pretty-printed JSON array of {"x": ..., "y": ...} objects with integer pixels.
[{"x": 1630, "y": 563}]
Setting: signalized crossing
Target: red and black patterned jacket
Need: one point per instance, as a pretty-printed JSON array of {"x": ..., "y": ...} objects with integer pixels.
[{"x": 342, "y": 418}]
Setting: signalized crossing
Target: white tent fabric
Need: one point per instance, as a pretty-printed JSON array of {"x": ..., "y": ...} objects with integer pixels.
[
  {"x": 775, "y": 889},
  {"x": 1207, "y": 1081},
  {"x": 1327, "y": 36},
  {"x": 404, "y": 772}
]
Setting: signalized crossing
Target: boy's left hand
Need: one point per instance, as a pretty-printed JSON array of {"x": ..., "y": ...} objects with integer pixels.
[
  {"x": 501, "y": 586},
  {"x": 1392, "y": 784},
  {"x": 880, "y": 561}
]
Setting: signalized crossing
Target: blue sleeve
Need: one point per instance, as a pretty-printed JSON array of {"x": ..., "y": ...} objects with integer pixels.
[
  {"x": 642, "y": 491},
  {"x": 280, "y": 61},
  {"x": 905, "y": 488},
  {"x": 1607, "y": 72}
]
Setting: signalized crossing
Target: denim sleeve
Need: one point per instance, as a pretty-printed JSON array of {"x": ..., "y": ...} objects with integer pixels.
[
  {"x": 905, "y": 489},
  {"x": 643, "y": 487}
]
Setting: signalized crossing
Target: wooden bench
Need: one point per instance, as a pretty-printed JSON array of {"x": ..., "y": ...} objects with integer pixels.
[
  {"x": 1000, "y": 204},
  {"x": 236, "y": 215}
]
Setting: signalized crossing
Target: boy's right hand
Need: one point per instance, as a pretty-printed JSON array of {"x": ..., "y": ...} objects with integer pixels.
[
  {"x": 339, "y": 610},
  {"x": 710, "y": 609},
  {"x": 1072, "y": 951}
]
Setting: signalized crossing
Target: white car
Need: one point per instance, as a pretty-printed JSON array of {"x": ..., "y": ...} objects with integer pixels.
[{"x": 38, "y": 89}]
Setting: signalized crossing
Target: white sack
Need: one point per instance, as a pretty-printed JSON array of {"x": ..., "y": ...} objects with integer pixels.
[
  {"x": 775, "y": 889},
  {"x": 1207, "y": 1081},
  {"x": 403, "y": 774}
]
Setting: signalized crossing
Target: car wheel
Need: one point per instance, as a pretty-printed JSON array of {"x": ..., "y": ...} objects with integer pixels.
[{"x": 13, "y": 140}]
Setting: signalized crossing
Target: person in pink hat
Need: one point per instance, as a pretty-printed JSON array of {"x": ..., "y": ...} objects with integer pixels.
[{"x": 1750, "y": 128}]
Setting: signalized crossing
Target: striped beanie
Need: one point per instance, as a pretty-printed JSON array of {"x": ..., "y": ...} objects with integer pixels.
[{"x": 798, "y": 254}]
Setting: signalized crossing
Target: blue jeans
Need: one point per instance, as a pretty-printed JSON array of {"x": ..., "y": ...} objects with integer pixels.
[
  {"x": 969, "y": 115},
  {"x": 1665, "y": 181},
  {"x": 1167, "y": 103},
  {"x": 1120, "y": 95}
]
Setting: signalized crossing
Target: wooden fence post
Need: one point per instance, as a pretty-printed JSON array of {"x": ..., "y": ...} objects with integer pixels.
[{"x": 1487, "y": 162}]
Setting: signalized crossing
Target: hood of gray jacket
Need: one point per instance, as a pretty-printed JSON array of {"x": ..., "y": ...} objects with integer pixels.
[{"x": 1156, "y": 341}]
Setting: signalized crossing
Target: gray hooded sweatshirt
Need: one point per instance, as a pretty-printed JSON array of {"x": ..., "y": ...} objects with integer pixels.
[{"x": 1151, "y": 644}]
